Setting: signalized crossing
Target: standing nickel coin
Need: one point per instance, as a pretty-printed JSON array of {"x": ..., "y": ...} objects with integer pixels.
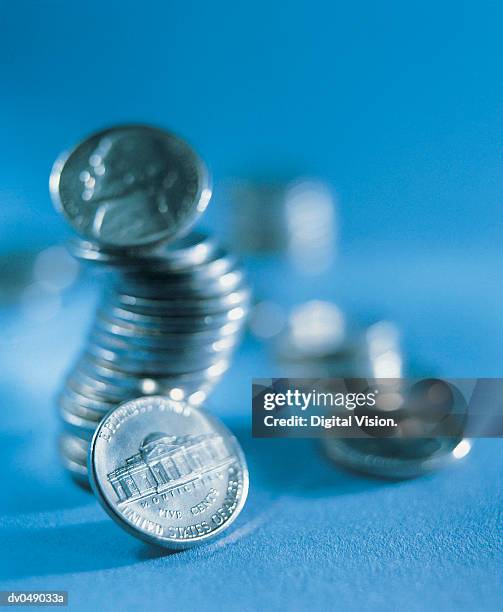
[
  {"x": 130, "y": 186},
  {"x": 167, "y": 472}
]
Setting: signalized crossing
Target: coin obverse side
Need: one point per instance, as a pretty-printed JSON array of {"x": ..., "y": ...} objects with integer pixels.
[
  {"x": 167, "y": 472},
  {"x": 130, "y": 186}
]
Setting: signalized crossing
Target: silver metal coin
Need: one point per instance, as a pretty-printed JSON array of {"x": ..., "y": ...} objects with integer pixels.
[
  {"x": 196, "y": 250},
  {"x": 188, "y": 286},
  {"x": 77, "y": 470},
  {"x": 181, "y": 335},
  {"x": 158, "y": 349},
  {"x": 217, "y": 261},
  {"x": 71, "y": 397},
  {"x": 191, "y": 251},
  {"x": 130, "y": 330},
  {"x": 373, "y": 456},
  {"x": 98, "y": 390},
  {"x": 77, "y": 425},
  {"x": 172, "y": 323},
  {"x": 130, "y": 186},
  {"x": 116, "y": 378},
  {"x": 117, "y": 391},
  {"x": 74, "y": 448},
  {"x": 168, "y": 473},
  {"x": 80, "y": 446},
  {"x": 320, "y": 343},
  {"x": 80, "y": 411},
  {"x": 165, "y": 306},
  {"x": 84, "y": 435},
  {"x": 161, "y": 271},
  {"x": 177, "y": 319},
  {"x": 232, "y": 281},
  {"x": 197, "y": 321},
  {"x": 142, "y": 368}
]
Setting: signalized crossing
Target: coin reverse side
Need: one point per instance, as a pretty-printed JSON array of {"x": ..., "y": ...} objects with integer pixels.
[{"x": 167, "y": 472}]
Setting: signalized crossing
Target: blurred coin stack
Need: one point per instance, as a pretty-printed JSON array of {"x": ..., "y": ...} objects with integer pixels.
[
  {"x": 176, "y": 306},
  {"x": 297, "y": 219},
  {"x": 318, "y": 343}
]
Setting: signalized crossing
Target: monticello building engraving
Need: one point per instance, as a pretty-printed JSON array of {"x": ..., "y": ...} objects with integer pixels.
[{"x": 165, "y": 462}]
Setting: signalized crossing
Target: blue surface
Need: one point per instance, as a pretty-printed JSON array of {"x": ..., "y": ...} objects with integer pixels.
[
  {"x": 310, "y": 534},
  {"x": 399, "y": 106}
]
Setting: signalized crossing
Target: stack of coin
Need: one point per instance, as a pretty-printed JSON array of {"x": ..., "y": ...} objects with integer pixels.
[
  {"x": 298, "y": 219},
  {"x": 319, "y": 343},
  {"x": 176, "y": 305}
]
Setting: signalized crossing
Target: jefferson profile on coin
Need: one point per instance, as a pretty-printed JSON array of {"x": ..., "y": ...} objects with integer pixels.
[{"x": 131, "y": 186}]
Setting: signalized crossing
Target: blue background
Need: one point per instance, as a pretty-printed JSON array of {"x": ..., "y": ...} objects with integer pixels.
[{"x": 399, "y": 106}]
